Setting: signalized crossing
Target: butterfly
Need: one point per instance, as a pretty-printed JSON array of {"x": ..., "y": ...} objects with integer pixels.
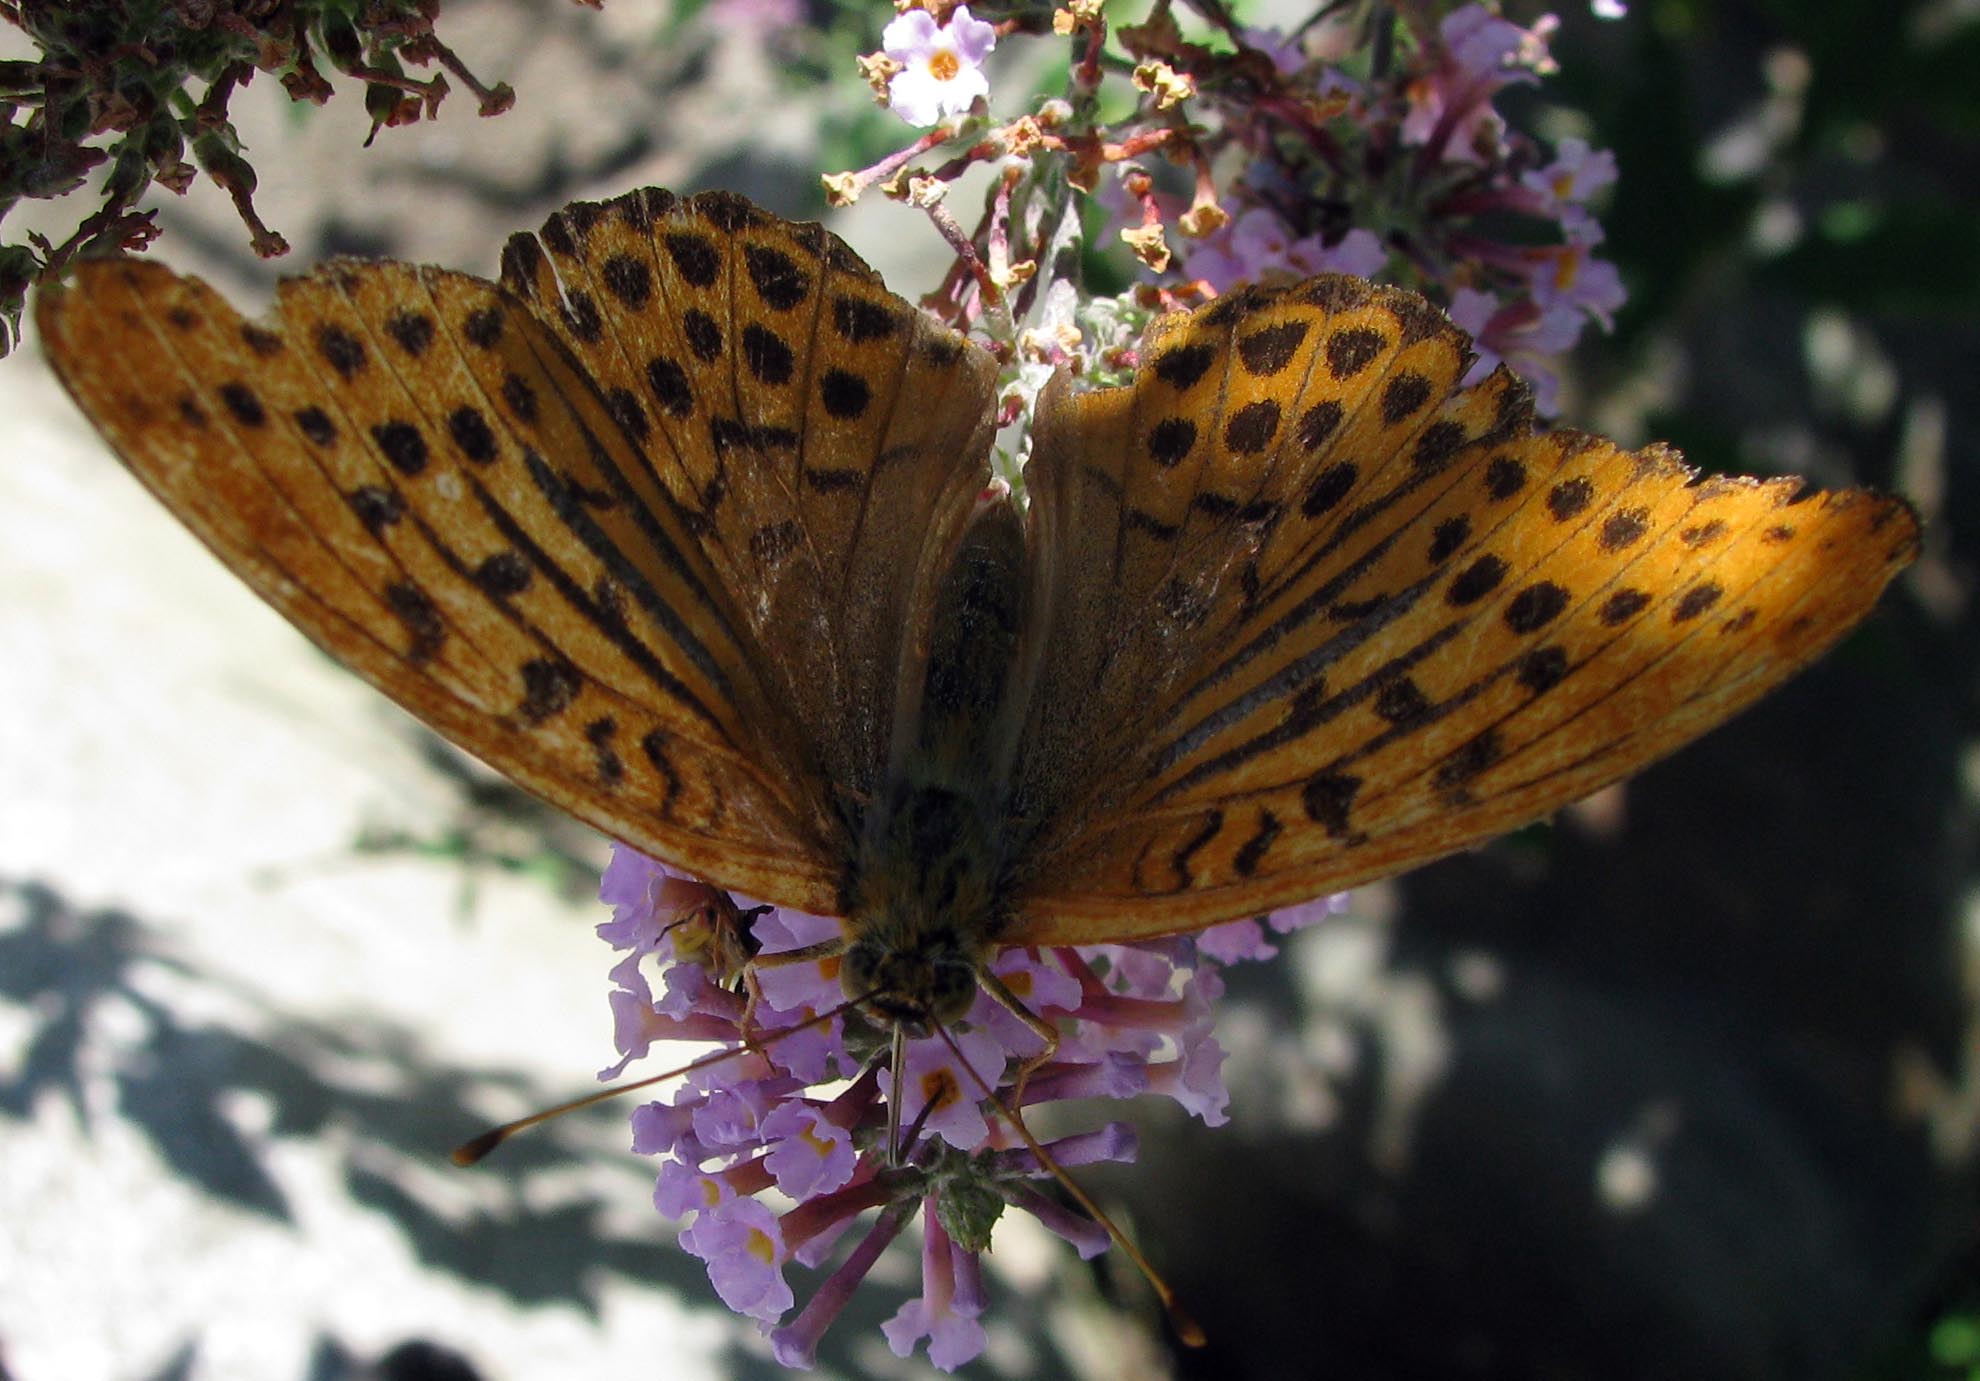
[{"x": 687, "y": 525}]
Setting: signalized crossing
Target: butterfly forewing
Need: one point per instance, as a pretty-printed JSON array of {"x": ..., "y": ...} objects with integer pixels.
[
  {"x": 1436, "y": 625},
  {"x": 568, "y": 522}
]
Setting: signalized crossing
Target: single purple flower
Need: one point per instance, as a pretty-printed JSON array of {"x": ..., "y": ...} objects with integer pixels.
[
  {"x": 743, "y": 1244},
  {"x": 1577, "y": 173},
  {"x": 1520, "y": 335},
  {"x": 1236, "y": 940},
  {"x": 941, "y": 64},
  {"x": 951, "y": 1300},
  {"x": 809, "y": 1153},
  {"x": 1568, "y": 277}
]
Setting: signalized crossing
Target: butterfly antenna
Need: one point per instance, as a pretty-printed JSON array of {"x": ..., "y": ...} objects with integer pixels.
[
  {"x": 1186, "y": 1327},
  {"x": 476, "y": 1149}
]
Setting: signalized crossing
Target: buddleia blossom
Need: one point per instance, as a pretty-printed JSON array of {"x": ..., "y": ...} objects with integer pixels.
[
  {"x": 1370, "y": 140},
  {"x": 1476, "y": 56},
  {"x": 1411, "y": 174},
  {"x": 777, "y": 1156},
  {"x": 1259, "y": 246},
  {"x": 940, "y": 65}
]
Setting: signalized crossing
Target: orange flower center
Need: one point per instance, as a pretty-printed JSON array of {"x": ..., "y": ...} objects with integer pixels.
[
  {"x": 944, "y": 66},
  {"x": 761, "y": 1247},
  {"x": 938, "y": 1089}
]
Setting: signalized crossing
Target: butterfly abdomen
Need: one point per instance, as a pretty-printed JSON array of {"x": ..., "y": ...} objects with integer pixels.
[{"x": 928, "y": 895}]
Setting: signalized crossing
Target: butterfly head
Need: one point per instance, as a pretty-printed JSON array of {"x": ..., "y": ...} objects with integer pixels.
[{"x": 931, "y": 984}]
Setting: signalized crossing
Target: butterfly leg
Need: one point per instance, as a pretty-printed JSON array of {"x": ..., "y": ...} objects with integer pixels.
[
  {"x": 824, "y": 949},
  {"x": 1038, "y": 1026}
]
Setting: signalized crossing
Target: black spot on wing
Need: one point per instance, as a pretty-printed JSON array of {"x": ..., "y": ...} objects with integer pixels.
[
  {"x": 411, "y": 331},
  {"x": 778, "y": 279},
  {"x": 1252, "y": 427},
  {"x": 1183, "y": 365},
  {"x": 1570, "y": 498},
  {"x": 402, "y": 445},
  {"x": 315, "y": 424},
  {"x": 1170, "y": 440},
  {"x": 629, "y": 279},
  {"x": 704, "y": 335},
  {"x": 1329, "y": 487},
  {"x": 520, "y": 395},
  {"x": 1533, "y": 608},
  {"x": 670, "y": 386},
  {"x": 549, "y": 687},
  {"x": 1477, "y": 580},
  {"x": 1696, "y": 601},
  {"x": 1542, "y": 668},
  {"x": 503, "y": 575},
  {"x": 1449, "y": 536},
  {"x": 1470, "y": 760},
  {"x": 1504, "y": 477},
  {"x": 624, "y": 406},
  {"x": 695, "y": 257},
  {"x": 377, "y": 508},
  {"x": 1350, "y": 351},
  {"x": 1267, "y": 351},
  {"x": 1329, "y": 801},
  {"x": 581, "y": 317},
  {"x": 767, "y": 356},
  {"x": 341, "y": 350},
  {"x": 416, "y": 612},
  {"x": 858, "y": 321},
  {"x": 844, "y": 394},
  {"x": 1402, "y": 703},
  {"x": 599, "y": 733},
  {"x": 261, "y": 340},
  {"x": 1252, "y": 852},
  {"x": 243, "y": 403},
  {"x": 1403, "y": 396},
  {"x": 1318, "y": 423},
  {"x": 1622, "y": 528},
  {"x": 1439, "y": 442},
  {"x": 483, "y": 327},
  {"x": 472, "y": 435},
  {"x": 1622, "y": 606}
]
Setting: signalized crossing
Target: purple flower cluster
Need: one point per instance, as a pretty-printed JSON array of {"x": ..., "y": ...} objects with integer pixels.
[
  {"x": 801, "y": 1108},
  {"x": 1411, "y": 173},
  {"x": 1368, "y": 141}
]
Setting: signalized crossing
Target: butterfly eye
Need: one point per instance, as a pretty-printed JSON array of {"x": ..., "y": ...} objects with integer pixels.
[
  {"x": 910, "y": 988},
  {"x": 859, "y": 970},
  {"x": 952, "y": 991}
]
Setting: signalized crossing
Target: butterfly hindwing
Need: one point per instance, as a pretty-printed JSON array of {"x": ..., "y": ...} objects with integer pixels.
[
  {"x": 827, "y": 440},
  {"x": 1421, "y": 623}
]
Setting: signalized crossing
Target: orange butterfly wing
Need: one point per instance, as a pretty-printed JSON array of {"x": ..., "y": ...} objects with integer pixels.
[
  {"x": 1352, "y": 619},
  {"x": 562, "y": 521}
]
